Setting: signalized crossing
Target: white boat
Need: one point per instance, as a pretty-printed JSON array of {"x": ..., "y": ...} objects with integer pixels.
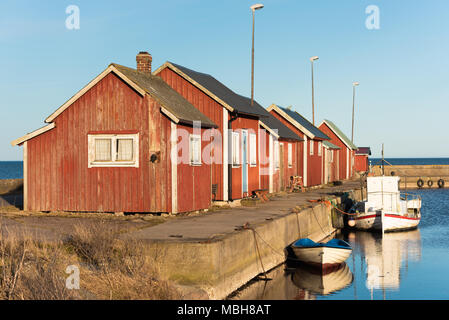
[
  {"x": 323, "y": 283},
  {"x": 386, "y": 209},
  {"x": 323, "y": 255}
]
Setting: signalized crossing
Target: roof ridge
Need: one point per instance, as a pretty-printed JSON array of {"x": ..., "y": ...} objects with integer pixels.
[{"x": 339, "y": 133}]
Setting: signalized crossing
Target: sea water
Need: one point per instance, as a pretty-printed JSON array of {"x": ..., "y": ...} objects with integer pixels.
[{"x": 400, "y": 265}]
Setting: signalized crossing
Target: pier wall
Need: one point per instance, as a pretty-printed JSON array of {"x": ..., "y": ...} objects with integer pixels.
[
  {"x": 11, "y": 193},
  {"x": 410, "y": 174},
  {"x": 216, "y": 268}
]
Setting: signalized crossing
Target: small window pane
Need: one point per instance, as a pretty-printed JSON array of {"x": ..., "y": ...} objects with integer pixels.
[
  {"x": 124, "y": 149},
  {"x": 103, "y": 150},
  {"x": 276, "y": 155},
  {"x": 195, "y": 150},
  {"x": 290, "y": 155},
  {"x": 236, "y": 148},
  {"x": 253, "y": 149}
]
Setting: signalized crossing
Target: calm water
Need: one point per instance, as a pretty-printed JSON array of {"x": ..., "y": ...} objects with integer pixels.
[
  {"x": 11, "y": 169},
  {"x": 405, "y": 265}
]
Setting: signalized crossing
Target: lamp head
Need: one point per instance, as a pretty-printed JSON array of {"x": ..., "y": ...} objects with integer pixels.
[
  {"x": 355, "y": 84},
  {"x": 314, "y": 58},
  {"x": 255, "y": 7}
]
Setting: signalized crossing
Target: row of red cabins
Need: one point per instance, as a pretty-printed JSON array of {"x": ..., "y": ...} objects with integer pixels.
[{"x": 173, "y": 140}]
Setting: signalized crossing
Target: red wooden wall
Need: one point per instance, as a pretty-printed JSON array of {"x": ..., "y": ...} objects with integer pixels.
[
  {"x": 315, "y": 169},
  {"x": 194, "y": 182},
  {"x": 361, "y": 163},
  {"x": 314, "y": 165},
  {"x": 264, "y": 153},
  {"x": 252, "y": 125},
  {"x": 343, "y": 151},
  {"x": 293, "y": 170},
  {"x": 300, "y": 144},
  {"x": 209, "y": 107},
  {"x": 58, "y": 175}
]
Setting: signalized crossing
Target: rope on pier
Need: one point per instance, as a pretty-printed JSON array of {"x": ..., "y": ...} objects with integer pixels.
[{"x": 330, "y": 203}]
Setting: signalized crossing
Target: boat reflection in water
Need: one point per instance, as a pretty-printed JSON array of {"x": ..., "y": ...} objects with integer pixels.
[
  {"x": 314, "y": 281},
  {"x": 387, "y": 256}
]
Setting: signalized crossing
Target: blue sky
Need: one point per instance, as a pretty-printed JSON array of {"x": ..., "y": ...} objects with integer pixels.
[{"x": 402, "y": 67}]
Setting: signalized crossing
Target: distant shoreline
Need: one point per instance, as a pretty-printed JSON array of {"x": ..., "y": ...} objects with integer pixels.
[{"x": 14, "y": 169}]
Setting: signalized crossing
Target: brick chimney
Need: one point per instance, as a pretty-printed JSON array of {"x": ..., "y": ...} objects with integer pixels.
[{"x": 144, "y": 61}]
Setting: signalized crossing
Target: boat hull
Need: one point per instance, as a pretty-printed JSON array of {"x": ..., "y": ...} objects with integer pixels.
[
  {"x": 322, "y": 257},
  {"x": 390, "y": 221}
]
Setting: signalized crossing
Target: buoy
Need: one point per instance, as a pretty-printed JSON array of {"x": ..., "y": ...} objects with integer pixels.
[
  {"x": 441, "y": 183},
  {"x": 430, "y": 183},
  {"x": 420, "y": 183}
]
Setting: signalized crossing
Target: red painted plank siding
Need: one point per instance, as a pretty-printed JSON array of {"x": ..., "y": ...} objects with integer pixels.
[
  {"x": 209, "y": 107},
  {"x": 361, "y": 163},
  {"x": 315, "y": 169},
  {"x": 252, "y": 125},
  {"x": 264, "y": 157},
  {"x": 343, "y": 151},
  {"x": 314, "y": 165},
  {"x": 194, "y": 182},
  {"x": 59, "y": 177}
]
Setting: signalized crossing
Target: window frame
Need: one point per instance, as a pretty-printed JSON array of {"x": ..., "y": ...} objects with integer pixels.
[
  {"x": 289, "y": 155},
  {"x": 236, "y": 162},
  {"x": 92, "y": 163},
  {"x": 277, "y": 162},
  {"x": 252, "y": 150},
  {"x": 192, "y": 162},
  {"x": 311, "y": 145},
  {"x": 320, "y": 146}
]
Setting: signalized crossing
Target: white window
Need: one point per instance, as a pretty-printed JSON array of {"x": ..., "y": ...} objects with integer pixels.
[
  {"x": 235, "y": 149},
  {"x": 195, "y": 150},
  {"x": 290, "y": 155},
  {"x": 311, "y": 147},
  {"x": 319, "y": 148},
  {"x": 276, "y": 155},
  {"x": 332, "y": 155},
  {"x": 113, "y": 150},
  {"x": 252, "y": 149}
]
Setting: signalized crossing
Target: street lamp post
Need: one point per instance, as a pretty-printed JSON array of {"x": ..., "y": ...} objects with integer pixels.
[
  {"x": 253, "y": 9},
  {"x": 354, "y": 84},
  {"x": 313, "y": 98}
]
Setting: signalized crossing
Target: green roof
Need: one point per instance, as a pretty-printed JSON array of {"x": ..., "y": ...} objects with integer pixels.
[
  {"x": 330, "y": 145},
  {"x": 340, "y": 134}
]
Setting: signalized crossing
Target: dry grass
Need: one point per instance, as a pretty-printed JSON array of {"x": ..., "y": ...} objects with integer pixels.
[{"x": 109, "y": 268}]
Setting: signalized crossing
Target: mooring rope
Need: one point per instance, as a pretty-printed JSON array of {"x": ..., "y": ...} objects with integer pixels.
[
  {"x": 258, "y": 253},
  {"x": 335, "y": 207}
]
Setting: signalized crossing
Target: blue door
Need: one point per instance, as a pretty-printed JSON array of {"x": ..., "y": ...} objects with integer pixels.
[{"x": 245, "y": 162}]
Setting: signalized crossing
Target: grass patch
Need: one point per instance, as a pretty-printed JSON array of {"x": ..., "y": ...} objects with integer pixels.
[{"x": 110, "y": 268}]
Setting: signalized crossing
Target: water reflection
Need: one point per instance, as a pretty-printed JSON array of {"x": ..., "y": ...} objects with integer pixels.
[
  {"x": 386, "y": 257},
  {"x": 377, "y": 264},
  {"x": 314, "y": 281}
]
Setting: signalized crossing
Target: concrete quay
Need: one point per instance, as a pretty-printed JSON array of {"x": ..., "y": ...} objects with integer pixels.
[
  {"x": 411, "y": 174},
  {"x": 211, "y": 255}
]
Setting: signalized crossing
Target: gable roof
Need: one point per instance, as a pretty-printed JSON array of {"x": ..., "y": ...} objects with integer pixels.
[
  {"x": 363, "y": 151},
  {"x": 281, "y": 129},
  {"x": 339, "y": 134},
  {"x": 33, "y": 134},
  {"x": 173, "y": 105},
  {"x": 215, "y": 89},
  {"x": 330, "y": 145},
  {"x": 166, "y": 96},
  {"x": 299, "y": 122}
]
